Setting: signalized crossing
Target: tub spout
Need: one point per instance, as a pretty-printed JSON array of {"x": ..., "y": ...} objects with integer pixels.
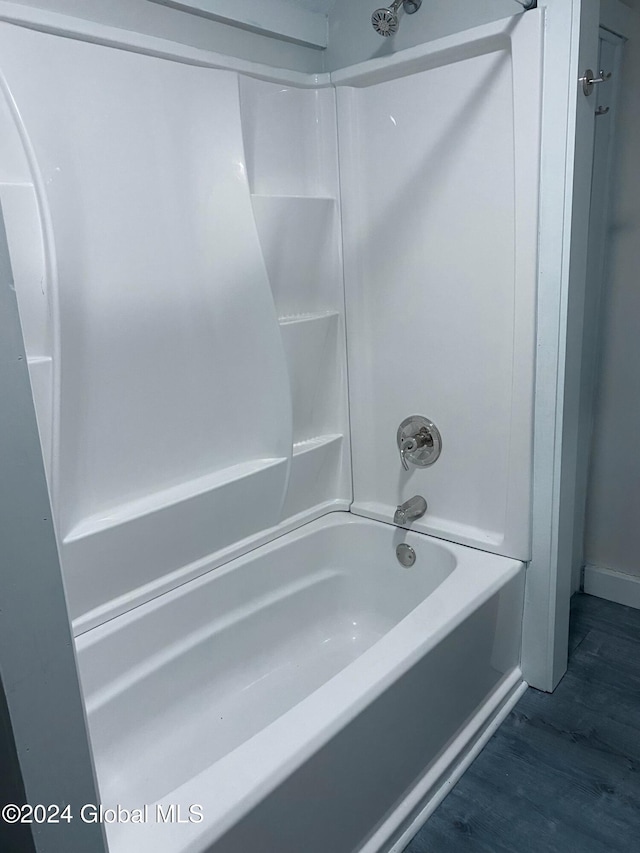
[{"x": 410, "y": 510}]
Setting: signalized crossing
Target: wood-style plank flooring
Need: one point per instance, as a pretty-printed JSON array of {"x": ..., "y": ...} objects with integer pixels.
[{"x": 562, "y": 774}]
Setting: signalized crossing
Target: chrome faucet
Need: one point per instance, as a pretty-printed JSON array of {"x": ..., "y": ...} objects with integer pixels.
[
  {"x": 419, "y": 442},
  {"x": 410, "y": 510}
]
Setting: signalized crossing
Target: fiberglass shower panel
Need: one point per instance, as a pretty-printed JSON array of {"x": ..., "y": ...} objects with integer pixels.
[{"x": 439, "y": 150}]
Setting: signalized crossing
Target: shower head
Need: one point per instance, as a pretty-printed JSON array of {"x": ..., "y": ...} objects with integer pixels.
[{"x": 386, "y": 22}]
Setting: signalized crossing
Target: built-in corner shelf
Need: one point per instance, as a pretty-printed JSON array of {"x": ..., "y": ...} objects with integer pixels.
[
  {"x": 299, "y": 238},
  {"x": 315, "y": 472},
  {"x": 311, "y": 200},
  {"x": 311, "y": 344},
  {"x": 290, "y": 152},
  {"x": 289, "y": 138},
  {"x": 315, "y": 443},
  {"x": 308, "y": 317}
]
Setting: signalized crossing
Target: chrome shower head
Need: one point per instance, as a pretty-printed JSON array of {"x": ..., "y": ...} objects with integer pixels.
[{"x": 386, "y": 22}]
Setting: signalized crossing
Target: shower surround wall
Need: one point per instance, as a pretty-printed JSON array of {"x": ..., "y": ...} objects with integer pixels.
[
  {"x": 190, "y": 372},
  {"x": 188, "y": 368},
  {"x": 439, "y": 189}
]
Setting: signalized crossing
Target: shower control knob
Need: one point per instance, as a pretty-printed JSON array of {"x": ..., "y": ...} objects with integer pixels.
[{"x": 419, "y": 442}]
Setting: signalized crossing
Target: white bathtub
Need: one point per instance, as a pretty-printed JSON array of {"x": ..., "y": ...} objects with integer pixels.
[{"x": 312, "y": 695}]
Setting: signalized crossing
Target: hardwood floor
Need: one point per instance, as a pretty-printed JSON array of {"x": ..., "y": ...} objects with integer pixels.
[{"x": 562, "y": 774}]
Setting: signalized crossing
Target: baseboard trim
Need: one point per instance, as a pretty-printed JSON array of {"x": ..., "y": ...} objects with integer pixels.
[{"x": 614, "y": 586}]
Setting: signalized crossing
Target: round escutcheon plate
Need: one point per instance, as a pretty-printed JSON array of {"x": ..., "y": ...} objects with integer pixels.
[{"x": 405, "y": 554}]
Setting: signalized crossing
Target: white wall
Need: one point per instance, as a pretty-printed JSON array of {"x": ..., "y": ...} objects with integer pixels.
[
  {"x": 163, "y": 22},
  {"x": 613, "y": 508},
  {"x": 352, "y": 38}
]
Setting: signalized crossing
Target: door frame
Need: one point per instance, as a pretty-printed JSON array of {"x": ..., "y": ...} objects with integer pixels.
[{"x": 571, "y": 46}]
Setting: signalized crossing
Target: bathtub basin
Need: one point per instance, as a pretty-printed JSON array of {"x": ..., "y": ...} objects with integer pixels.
[{"x": 310, "y": 695}]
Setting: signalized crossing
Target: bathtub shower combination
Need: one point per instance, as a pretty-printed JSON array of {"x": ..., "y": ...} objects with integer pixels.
[{"x": 297, "y": 599}]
